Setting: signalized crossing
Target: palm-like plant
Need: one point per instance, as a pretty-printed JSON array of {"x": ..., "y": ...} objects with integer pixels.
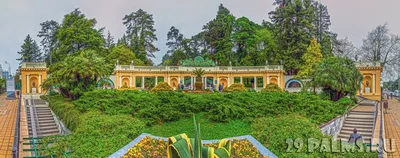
[{"x": 199, "y": 72}]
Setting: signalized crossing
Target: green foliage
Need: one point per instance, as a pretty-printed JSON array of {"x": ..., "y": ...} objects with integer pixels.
[
  {"x": 346, "y": 102},
  {"x": 199, "y": 62},
  {"x": 272, "y": 87},
  {"x": 140, "y": 35},
  {"x": 311, "y": 58},
  {"x": 77, "y": 33},
  {"x": 236, "y": 87},
  {"x": 65, "y": 110},
  {"x": 2, "y": 83},
  {"x": 124, "y": 56},
  {"x": 221, "y": 107},
  {"x": 30, "y": 51},
  {"x": 77, "y": 74},
  {"x": 199, "y": 72},
  {"x": 162, "y": 86},
  {"x": 273, "y": 132},
  {"x": 339, "y": 75}
]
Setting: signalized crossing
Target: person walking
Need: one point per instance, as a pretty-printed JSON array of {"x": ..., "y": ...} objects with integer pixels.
[{"x": 355, "y": 136}]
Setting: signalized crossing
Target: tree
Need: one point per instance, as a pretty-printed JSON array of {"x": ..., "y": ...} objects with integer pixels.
[
  {"x": 30, "y": 51},
  {"x": 217, "y": 34},
  {"x": 311, "y": 58},
  {"x": 48, "y": 33},
  {"x": 77, "y": 74},
  {"x": 109, "y": 42},
  {"x": 267, "y": 47},
  {"x": 322, "y": 23},
  {"x": 244, "y": 37},
  {"x": 77, "y": 33},
  {"x": 140, "y": 33},
  {"x": 339, "y": 76},
  {"x": 177, "y": 58},
  {"x": 2, "y": 84},
  {"x": 293, "y": 28},
  {"x": 124, "y": 56},
  {"x": 344, "y": 48},
  {"x": 382, "y": 46},
  {"x": 174, "y": 39}
]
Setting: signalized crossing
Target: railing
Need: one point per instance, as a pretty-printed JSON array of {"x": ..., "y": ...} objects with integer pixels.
[
  {"x": 33, "y": 65},
  {"x": 15, "y": 148},
  {"x": 184, "y": 68},
  {"x": 366, "y": 64}
]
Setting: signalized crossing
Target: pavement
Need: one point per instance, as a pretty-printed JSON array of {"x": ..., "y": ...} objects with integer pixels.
[
  {"x": 8, "y": 116},
  {"x": 392, "y": 127}
]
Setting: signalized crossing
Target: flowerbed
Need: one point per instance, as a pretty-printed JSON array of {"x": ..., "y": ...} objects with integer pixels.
[{"x": 157, "y": 148}]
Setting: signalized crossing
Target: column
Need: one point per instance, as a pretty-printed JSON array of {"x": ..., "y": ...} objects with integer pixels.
[
  {"x": 27, "y": 84},
  {"x": 169, "y": 80},
  {"x": 179, "y": 79},
  {"x": 241, "y": 79},
  {"x": 120, "y": 81},
  {"x": 142, "y": 82},
  {"x": 40, "y": 84},
  {"x": 134, "y": 81},
  {"x": 255, "y": 83},
  {"x": 205, "y": 82},
  {"x": 229, "y": 82},
  {"x": 362, "y": 87},
  {"x": 373, "y": 83},
  {"x": 217, "y": 81},
  {"x": 279, "y": 81},
  {"x": 130, "y": 81},
  {"x": 156, "y": 80},
  {"x": 191, "y": 82},
  {"x": 268, "y": 79}
]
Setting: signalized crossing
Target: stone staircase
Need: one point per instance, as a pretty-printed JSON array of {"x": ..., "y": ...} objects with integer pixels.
[
  {"x": 44, "y": 124},
  {"x": 361, "y": 119}
]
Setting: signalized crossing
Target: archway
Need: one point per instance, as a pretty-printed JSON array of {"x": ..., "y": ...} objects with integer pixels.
[
  {"x": 174, "y": 83},
  {"x": 223, "y": 82},
  {"x": 105, "y": 82},
  {"x": 125, "y": 83},
  {"x": 293, "y": 84},
  {"x": 367, "y": 83},
  {"x": 34, "y": 84},
  {"x": 273, "y": 80}
]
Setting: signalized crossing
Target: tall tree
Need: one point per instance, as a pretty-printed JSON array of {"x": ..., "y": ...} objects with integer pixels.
[
  {"x": 293, "y": 28},
  {"x": 322, "y": 23},
  {"x": 311, "y": 58},
  {"x": 109, "y": 41},
  {"x": 344, "y": 48},
  {"x": 123, "y": 55},
  {"x": 244, "y": 37},
  {"x": 174, "y": 39},
  {"x": 48, "y": 33},
  {"x": 217, "y": 34},
  {"x": 30, "y": 51},
  {"x": 140, "y": 33},
  {"x": 77, "y": 33},
  {"x": 382, "y": 46}
]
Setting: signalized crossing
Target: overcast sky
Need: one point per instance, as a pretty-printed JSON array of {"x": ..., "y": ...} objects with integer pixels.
[{"x": 350, "y": 18}]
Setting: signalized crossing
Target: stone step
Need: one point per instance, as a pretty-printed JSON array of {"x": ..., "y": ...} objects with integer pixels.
[
  {"x": 362, "y": 112},
  {"x": 46, "y": 121},
  {"x": 358, "y": 129},
  {"x": 351, "y": 132},
  {"x": 48, "y": 124},
  {"x": 358, "y": 126},
  {"x": 370, "y": 123},
  {"x": 347, "y": 136},
  {"x": 48, "y": 131},
  {"x": 45, "y": 118},
  {"x": 359, "y": 120},
  {"x": 49, "y": 134},
  {"x": 42, "y": 128}
]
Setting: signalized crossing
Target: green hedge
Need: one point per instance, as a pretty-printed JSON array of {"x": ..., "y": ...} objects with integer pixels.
[
  {"x": 220, "y": 107},
  {"x": 65, "y": 110}
]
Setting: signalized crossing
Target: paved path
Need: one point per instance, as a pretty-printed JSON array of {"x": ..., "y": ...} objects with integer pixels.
[
  {"x": 392, "y": 126},
  {"x": 8, "y": 113}
]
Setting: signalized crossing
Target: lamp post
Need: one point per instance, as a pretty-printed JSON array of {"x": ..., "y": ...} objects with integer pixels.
[{"x": 380, "y": 150}]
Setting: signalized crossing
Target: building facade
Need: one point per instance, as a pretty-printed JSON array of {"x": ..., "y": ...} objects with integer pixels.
[{"x": 32, "y": 77}]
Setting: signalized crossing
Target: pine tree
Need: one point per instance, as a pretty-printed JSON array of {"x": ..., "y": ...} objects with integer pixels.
[
  {"x": 140, "y": 33},
  {"x": 217, "y": 34},
  {"x": 109, "y": 41},
  {"x": 48, "y": 33},
  {"x": 293, "y": 28},
  {"x": 30, "y": 51}
]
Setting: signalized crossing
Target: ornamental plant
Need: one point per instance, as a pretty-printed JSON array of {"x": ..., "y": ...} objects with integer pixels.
[
  {"x": 272, "y": 87},
  {"x": 162, "y": 86},
  {"x": 236, "y": 87}
]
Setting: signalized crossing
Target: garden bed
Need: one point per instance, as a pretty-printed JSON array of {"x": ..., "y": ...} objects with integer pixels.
[{"x": 148, "y": 145}]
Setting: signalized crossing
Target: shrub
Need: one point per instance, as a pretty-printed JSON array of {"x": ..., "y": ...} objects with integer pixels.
[
  {"x": 162, "y": 86},
  {"x": 272, "y": 87},
  {"x": 65, "y": 110},
  {"x": 236, "y": 87},
  {"x": 225, "y": 112},
  {"x": 345, "y": 102}
]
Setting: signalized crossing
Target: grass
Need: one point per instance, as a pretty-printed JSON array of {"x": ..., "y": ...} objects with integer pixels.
[{"x": 209, "y": 130}]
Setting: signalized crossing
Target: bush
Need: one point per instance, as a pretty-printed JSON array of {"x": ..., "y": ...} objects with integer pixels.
[
  {"x": 224, "y": 113},
  {"x": 65, "y": 110},
  {"x": 236, "y": 87},
  {"x": 272, "y": 132},
  {"x": 162, "y": 86},
  {"x": 272, "y": 87},
  {"x": 345, "y": 102}
]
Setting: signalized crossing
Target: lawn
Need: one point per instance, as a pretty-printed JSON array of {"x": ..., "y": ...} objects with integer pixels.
[{"x": 209, "y": 130}]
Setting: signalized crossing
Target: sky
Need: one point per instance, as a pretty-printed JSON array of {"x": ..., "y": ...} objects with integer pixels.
[{"x": 18, "y": 18}]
